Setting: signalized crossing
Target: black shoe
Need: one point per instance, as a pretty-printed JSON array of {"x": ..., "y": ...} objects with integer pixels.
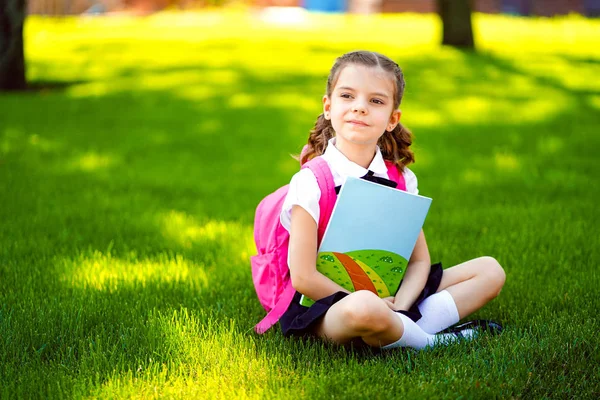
[{"x": 482, "y": 325}]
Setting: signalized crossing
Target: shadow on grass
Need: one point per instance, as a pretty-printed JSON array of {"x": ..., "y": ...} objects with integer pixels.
[{"x": 51, "y": 86}]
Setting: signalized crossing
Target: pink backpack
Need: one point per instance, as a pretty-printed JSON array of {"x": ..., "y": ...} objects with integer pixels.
[{"x": 270, "y": 272}]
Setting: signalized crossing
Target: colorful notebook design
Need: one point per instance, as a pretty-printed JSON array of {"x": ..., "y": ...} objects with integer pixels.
[{"x": 370, "y": 237}]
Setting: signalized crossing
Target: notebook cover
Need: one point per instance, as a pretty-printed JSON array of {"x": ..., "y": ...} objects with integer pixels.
[{"x": 370, "y": 237}]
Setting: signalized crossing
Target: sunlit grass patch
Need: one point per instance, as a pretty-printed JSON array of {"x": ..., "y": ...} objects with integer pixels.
[
  {"x": 104, "y": 272},
  {"x": 550, "y": 145},
  {"x": 206, "y": 359},
  {"x": 594, "y": 101},
  {"x": 92, "y": 161},
  {"x": 572, "y": 35},
  {"x": 231, "y": 242},
  {"x": 506, "y": 162},
  {"x": 473, "y": 176}
]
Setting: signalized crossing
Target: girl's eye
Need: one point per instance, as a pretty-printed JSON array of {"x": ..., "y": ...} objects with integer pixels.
[{"x": 349, "y": 96}]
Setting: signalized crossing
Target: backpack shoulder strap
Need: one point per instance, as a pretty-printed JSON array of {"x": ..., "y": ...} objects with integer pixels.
[
  {"x": 282, "y": 305},
  {"x": 395, "y": 175},
  {"x": 322, "y": 172}
]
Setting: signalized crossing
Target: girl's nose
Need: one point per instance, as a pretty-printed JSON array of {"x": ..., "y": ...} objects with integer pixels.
[{"x": 359, "y": 107}]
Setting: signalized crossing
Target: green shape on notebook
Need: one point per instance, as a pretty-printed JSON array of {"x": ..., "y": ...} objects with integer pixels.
[{"x": 390, "y": 267}]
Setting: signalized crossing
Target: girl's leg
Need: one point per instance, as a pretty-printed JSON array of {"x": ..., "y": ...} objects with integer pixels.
[
  {"x": 365, "y": 318},
  {"x": 474, "y": 283},
  {"x": 363, "y": 315}
]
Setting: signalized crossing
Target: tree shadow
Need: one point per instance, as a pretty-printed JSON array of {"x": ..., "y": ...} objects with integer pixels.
[{"x": 41, "y": 86}]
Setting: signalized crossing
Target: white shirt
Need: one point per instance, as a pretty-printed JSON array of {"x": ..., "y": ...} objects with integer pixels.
[{"x": 304, "y": 189}]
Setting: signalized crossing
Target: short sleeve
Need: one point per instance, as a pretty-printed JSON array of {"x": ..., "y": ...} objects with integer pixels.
[
  {"x": 303, "y": 191},
  {"x": 411, "y": 181}
]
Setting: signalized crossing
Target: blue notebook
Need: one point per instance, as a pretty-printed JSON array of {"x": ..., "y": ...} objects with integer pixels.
[{"x": 370, "y": 237}]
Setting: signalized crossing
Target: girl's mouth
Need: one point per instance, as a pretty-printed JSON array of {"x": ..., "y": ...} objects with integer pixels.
[{"x": 356, "y": 122}]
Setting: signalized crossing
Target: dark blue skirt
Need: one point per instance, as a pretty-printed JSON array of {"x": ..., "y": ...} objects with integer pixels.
[{"x": 300, "y": 320}]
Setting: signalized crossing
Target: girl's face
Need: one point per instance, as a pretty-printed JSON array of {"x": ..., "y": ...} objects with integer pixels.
[{"x": 361, "y": 105}]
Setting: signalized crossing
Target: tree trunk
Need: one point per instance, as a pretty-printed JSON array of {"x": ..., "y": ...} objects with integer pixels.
[
  {"x": 456, "y": 21},
  {"x": 12, "y": 59}
]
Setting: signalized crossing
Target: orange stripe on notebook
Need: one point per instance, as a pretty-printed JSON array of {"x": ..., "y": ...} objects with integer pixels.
[{"x": 360, "y": 279}]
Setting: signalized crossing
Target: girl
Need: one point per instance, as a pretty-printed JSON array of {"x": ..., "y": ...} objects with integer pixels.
[{"x": 359, "y": 129}]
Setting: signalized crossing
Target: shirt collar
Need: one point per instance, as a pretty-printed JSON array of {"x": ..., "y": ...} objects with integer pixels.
[{"x": 349, "y": 168}]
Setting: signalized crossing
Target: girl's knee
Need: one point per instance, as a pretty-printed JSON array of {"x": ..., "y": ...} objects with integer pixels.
[
  {"x": 494, "y": 273},
  {"x": 365, "y": 311}
]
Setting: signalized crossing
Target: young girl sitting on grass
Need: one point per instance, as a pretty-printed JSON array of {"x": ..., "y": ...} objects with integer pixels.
[{"x": 359, "y": 129}]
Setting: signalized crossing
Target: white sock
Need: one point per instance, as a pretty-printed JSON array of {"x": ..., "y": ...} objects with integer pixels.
[
  {"x": 438, "y": 312},
  {"x": 417, "y": 338}
]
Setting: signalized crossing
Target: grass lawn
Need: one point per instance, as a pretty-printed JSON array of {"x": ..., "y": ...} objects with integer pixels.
[{"x": 130, "y": 175}]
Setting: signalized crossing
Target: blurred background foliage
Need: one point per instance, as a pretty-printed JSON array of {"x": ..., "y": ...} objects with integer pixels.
[{"x": 513, "y": 7}]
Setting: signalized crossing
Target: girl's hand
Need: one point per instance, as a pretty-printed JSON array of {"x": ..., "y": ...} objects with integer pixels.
[
  {"x": 389, "y": 301},
  {"x": 416, "y": 275},
  {"x": 400, "y": 306}
]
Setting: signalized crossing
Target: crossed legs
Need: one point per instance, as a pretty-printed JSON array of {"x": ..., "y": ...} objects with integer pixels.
[{"x": 363, "y": 315}]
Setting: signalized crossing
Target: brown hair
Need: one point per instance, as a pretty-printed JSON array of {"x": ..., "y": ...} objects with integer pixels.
[{"x": 395, "y": 145}]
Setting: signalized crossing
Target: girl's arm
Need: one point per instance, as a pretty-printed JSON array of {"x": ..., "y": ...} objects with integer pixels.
[
  {"x": 416, "y": 275},
  {"x": 303, "y": 258}
]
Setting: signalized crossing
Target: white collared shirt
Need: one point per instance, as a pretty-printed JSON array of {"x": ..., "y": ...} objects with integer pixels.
[{"x": 304, "y": 189}]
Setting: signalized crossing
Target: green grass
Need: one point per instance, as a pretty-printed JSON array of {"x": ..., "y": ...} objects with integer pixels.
[{"x": 130, "y": 176}]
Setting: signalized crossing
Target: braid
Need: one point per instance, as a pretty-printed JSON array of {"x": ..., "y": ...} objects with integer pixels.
[
  {"x": 318, "y": 138},
  {"x": 395, "y": 146}
]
